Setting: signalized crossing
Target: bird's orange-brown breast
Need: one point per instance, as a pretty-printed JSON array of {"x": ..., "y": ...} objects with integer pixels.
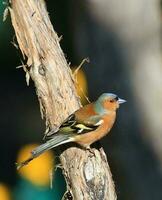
[{"x": 92, "y": 136}]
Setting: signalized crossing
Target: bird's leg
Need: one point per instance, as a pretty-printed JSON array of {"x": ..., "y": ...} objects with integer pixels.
[
  {"x": 91, "y": 151},
  {"x": 88, "y": 148}
]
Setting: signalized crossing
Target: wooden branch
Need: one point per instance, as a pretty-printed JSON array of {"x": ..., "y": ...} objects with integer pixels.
[{"x": 87, "y": 173}]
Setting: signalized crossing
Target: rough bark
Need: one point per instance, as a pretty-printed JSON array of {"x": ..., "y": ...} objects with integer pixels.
[{"x": 87, "y": 173}]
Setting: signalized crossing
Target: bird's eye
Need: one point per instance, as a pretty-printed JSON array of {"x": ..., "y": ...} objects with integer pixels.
[{"x": 112, "y": 100}]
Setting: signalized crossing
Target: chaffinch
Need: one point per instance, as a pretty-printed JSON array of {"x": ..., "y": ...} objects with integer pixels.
[{"x": 85, "y": 126}]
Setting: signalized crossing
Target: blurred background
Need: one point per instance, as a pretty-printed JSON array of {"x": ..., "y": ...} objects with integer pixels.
[{"x": 123, "y": 42}]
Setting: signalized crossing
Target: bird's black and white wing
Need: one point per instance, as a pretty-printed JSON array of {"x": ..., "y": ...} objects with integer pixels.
[{"x": 71, "y": 125}]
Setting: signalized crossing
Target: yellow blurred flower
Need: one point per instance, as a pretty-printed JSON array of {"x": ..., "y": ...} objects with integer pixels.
[
  {"x": 4, "y": 192},
  {"x": 81, "y": 84},
  {"x": 38, "y": 170}
]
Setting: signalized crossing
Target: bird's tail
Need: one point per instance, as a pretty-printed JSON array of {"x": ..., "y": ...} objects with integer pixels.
[{"x": 57, "y": 140}]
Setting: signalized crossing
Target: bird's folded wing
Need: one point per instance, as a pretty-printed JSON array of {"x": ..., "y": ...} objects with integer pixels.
[{"x": 72, "y": 125}]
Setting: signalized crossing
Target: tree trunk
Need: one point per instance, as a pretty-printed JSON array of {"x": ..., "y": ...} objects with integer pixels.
[{"x": 87, "y": 173}]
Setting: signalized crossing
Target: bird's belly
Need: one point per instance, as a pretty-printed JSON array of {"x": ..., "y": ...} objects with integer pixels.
[{"x": 88, "y": 138}]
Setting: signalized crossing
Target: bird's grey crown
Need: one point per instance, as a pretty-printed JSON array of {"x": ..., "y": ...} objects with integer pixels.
[{"x": 107, "y": 95}]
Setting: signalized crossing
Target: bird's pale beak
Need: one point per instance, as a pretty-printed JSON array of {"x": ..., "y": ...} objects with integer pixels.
[{"x": 120, "y": 101}]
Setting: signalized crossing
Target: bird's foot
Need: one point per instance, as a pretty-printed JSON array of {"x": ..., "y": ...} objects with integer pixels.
[{"x": 90, "y": 150}]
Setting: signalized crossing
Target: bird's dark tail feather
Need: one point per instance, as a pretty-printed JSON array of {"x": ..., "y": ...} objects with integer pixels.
[{"x": 57, "y": 140}]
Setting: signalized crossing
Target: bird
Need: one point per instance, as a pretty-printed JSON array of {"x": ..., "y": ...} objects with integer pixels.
[{"x": 85, "y": 126}]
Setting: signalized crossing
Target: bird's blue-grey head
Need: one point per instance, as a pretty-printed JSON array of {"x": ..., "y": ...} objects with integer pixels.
[{"x": 112, "y": 98}]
